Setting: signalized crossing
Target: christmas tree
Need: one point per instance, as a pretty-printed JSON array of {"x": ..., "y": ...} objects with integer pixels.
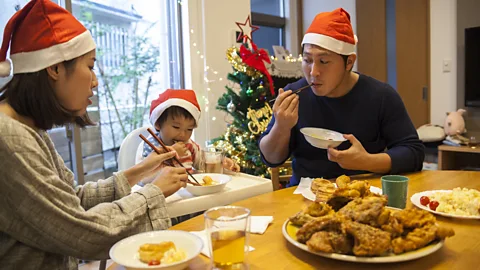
[{"x": 246, "y": 101}]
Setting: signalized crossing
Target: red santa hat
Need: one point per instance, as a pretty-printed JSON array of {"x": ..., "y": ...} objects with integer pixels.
[
  {"x": 40, "y": 35},
  {"x": 171, "y": 97},
  {"x": 332, "y": 31}
]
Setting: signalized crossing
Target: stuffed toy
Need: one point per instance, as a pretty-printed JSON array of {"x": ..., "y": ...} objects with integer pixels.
[{"x": 454, "y": 123}]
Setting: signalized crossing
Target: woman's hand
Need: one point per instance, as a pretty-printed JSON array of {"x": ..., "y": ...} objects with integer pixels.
[
  {"x": 149, "y": 166},
  {"x": 171, "y": 179}
]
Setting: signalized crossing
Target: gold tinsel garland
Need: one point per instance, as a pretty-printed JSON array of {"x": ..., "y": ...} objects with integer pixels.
[{"x": 236, "y": 61}]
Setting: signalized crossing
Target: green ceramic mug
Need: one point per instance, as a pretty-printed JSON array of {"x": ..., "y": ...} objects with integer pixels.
[{"x": 395, "y": 187}]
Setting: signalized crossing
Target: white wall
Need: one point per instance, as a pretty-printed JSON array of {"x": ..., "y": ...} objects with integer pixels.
[
  {"x": 467, "y": 16},
  {"x": 313, "y": 7},
  {"x": 212, "y": 30},
  {"x": 443, "y": 46}
]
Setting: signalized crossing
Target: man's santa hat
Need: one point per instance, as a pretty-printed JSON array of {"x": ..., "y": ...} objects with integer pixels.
[
  {"x": 40, "y": 35},
  {"x": 171, "y": 97},
  {"x": 332, "y": 31}
]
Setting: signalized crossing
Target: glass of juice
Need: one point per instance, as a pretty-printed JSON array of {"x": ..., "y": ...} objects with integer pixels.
[
  {"x": 227, "y": 230},
  {"x": 212, "y": 160}
]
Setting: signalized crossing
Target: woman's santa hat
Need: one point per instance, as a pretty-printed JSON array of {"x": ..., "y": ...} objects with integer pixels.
[
  {"x": 40, "y": 35},
  {"x": 171, "y": 97},
  {"x": 332, "y": 31}
]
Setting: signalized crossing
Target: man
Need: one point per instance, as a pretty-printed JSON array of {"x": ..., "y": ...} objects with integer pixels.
[{"x": 370, "y": 113}]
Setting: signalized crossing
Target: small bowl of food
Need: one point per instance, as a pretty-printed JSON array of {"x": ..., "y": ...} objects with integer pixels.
[
  {"x": 210, "y": 183},
  {"x": 162, "y": 250},
  {"x": 322, "y": 138}
]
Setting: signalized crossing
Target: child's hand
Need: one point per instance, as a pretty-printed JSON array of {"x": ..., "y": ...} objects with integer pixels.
[
  {"x": 231, "y": 165},
  {"x": 180, "y": 148}
]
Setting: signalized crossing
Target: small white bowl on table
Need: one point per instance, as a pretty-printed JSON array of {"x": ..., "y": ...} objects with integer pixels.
[
  {"x": 322, "y": 138},
  {"x": 125, "y": 252},
  {"x": 221, "y": 179}
]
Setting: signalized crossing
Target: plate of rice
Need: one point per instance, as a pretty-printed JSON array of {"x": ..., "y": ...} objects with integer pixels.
[{"x": 457, "y": 203}]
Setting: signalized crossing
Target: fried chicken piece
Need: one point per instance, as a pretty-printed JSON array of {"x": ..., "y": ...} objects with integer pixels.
[
  {"x": 319, "y": 209},
  {"x": 310, "y": 213},
  {"x": 330, "y": 242},
  {"x": 393, "y": 227},
  {"x": 369, "y": 241},
  {"x": 301, "y": 218},
  {"x": 325, "y": 223},
  {"x": 322, "y": 189},
  {"x": 420, "y": 237},
  {"x": 349, "y": 192},
  {"x": 412, "y": 218},
  {"x": 342, "y": 181},
  {"x": 368, "y": 210}
]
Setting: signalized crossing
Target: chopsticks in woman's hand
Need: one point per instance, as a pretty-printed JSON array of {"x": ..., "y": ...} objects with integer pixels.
[
  {"x": 293, "y": 92},
  {"x": 166, "y": 149}
]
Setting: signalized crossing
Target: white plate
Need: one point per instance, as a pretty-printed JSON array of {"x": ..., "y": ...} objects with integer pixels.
[
  {"x": 408, "y": 256},
  {"x": 125, "y": 252},
  {"x": 416, "y": 201},
  {"x": 221, "y": 179},
  {"x": 308, "y": 194},
  {"x": 322, "y": 138}
]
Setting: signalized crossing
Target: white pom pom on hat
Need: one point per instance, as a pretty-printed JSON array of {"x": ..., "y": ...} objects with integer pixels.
[{"x": 5, "y": 68}]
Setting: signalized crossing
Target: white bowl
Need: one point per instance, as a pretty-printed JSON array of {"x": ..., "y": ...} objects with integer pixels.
[
  {"x": 322, "y": 138},
  {"x": 221, "y": 179},
  {"x": 125, "y": 252}
]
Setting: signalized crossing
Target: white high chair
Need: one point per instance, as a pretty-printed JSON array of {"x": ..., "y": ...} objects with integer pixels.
[{"x": 129, "y": 150}]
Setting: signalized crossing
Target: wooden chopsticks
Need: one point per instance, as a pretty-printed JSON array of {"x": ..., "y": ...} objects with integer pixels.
[
  {"x": 293, "y": 92},
  {"x": 166, "y": 149}
]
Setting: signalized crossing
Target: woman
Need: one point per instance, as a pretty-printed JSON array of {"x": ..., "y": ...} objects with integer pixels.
[{"x": 46, "y": 222}]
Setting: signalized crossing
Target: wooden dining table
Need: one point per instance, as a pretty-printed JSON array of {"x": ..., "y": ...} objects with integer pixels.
[{"x": 272, "y": 251}]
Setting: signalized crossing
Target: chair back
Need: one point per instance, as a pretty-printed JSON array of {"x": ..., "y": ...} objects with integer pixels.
[
  {"x": 128, "y": 149},
  {"x": 281, "y": 180}
]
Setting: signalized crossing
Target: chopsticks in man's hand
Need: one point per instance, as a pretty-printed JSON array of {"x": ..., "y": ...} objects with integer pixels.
[
  {"x": 166, "y": 149},
  {"x": 293, "y": 92}
]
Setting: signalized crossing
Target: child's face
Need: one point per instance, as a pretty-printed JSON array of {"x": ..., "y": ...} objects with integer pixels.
[{"x": 176, "y": 129}]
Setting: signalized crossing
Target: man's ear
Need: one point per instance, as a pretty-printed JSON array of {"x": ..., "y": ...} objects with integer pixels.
[
  {"x": 351, "y": 61},
  {"x": 54, "y": 72}
]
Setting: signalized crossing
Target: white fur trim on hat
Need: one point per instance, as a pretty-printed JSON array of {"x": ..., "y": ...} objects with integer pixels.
[
  {"x": 40, "y": 59},
  {"x": 329, "y": 43},
  {"x": 192, "y": 109},
  {"x": 5, "y": 68}
]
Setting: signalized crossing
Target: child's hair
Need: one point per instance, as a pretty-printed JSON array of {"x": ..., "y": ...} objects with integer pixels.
[{"x": 174, "y": 111}]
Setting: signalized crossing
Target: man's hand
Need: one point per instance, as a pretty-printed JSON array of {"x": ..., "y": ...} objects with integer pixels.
[
  {"x": 285, "y": 110},
  {"x": 354, "y": 158}
]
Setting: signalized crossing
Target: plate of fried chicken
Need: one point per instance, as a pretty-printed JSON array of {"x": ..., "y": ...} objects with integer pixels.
[
  {"x": 322, "y": 189},
  {"x": 363, "y": 229}
]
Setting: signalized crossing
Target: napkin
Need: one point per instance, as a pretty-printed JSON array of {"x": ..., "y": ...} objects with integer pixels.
[
  {"x": 206, "y": 249},
  {"x": 258, "y": 224},
  {"x": 304, "y": 184}
]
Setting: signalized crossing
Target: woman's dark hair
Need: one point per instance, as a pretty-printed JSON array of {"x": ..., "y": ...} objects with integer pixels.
[
  {"x": 32, "y": 95},
  {"x": 174, "y": 111}
]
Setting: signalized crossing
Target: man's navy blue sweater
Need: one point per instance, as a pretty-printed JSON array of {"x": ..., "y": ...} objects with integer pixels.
[{"x": 372, "y": 111}]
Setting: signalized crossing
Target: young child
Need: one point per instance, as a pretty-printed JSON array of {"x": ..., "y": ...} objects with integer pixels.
[{"x": 174, "y": 114}]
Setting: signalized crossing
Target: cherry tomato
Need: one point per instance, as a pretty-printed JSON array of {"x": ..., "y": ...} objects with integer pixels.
[
  {"x": 424, "y": 200},
  {"x": 433, "y": 205},
  {"x": 154, "y": 262}
]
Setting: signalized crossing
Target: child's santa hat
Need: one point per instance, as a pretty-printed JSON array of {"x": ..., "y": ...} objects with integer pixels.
[
  {"x": 332, "y": 31},
  {"x": 171, "y": 97},
  {"x": 40, "y": 35}
]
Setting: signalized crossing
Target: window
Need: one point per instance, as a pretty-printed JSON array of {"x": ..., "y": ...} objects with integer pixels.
[
  {"x": 269, "y": 15},
  {"x": 137, "y": 58}
]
